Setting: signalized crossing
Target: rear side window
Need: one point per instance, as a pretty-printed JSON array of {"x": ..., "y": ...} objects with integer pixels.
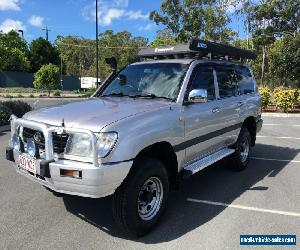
[
  {"x": 245, "y": 81},
  {"x": 227, "y": 82},
  {"x": 204, "y": 79}
]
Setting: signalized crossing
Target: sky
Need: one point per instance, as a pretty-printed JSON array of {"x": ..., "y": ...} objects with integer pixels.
[{"x": 77, "y": 17}]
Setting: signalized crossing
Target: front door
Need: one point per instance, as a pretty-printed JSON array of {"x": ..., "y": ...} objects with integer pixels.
[{"x": 202, "y": 120}]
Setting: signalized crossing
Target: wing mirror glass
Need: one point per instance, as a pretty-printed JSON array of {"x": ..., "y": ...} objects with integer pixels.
[{"x": 198, "y": 95}]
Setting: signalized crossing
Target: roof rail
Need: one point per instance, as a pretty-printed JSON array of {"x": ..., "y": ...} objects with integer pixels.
[{"x": 198, "y": 49}]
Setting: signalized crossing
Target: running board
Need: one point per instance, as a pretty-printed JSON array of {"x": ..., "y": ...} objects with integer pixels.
[{"x": 205, "y": 162}]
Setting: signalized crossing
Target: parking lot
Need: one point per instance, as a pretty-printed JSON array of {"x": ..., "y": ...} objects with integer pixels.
[{"x": 210, "y": 211}]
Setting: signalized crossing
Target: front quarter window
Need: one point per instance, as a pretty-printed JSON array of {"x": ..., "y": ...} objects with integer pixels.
[{"x": 149, "y": 79}]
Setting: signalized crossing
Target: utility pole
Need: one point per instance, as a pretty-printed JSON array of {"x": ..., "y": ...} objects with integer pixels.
[
  {"x": 47, "y": 33},
  {"x": 97, "y": 48},
  {"x": 61, "y": 73}
]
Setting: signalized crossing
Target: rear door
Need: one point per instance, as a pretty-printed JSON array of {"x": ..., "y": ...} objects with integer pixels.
[{"x": 228, "y": 103}]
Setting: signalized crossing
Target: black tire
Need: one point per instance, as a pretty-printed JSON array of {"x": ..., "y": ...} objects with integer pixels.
[
  {"x": 238, "y": 161},
  {"x": 125, "y": 200}
]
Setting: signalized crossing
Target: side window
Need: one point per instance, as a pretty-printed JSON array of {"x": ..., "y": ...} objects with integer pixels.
[
  {"x": 204, "y": 79},
  {"x": 227, "y": 82},
  {"x": 245, "y": 81}
]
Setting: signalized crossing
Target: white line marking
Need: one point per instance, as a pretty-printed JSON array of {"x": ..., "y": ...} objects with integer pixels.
[
  {"x": 272, "y": 159},
  {"x": 273, "y": 124},
  {"x": 277, "y": 137},
  {"x": 245, "y": 207}
]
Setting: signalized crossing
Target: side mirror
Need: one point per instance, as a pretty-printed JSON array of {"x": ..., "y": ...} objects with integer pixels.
[
  {"x": 122, "y": 79},
  {"x": 198, "y": 96}
]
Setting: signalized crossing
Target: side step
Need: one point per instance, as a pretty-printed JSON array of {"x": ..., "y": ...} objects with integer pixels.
[{"x": 205, "y": 162}]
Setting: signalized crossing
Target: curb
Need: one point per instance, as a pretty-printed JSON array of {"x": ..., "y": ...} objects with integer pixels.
[
  {"x": 279, "y": 115},
  {"x": 4, "y": 128}
]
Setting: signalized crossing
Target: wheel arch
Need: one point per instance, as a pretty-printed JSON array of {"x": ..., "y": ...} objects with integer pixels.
[
  {"x": 250, "y": 124},
  {"x": 164, "y": 152}
]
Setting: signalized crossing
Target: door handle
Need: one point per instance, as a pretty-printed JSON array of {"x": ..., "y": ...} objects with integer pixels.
[{"x": 216, "y": 110}]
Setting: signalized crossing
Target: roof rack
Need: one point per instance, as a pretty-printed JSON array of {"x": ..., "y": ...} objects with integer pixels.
[{"x": 198, "y": 49}]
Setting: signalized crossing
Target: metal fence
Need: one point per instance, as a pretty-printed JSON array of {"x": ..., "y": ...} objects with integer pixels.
[{"x": 9, "y": 79}]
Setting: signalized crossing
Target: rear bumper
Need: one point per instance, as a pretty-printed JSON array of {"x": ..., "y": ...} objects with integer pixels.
[{"x": 95, "y": 182}]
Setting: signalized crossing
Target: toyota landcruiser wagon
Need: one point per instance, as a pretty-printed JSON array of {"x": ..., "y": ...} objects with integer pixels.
[{"x": 175, "y": 112}]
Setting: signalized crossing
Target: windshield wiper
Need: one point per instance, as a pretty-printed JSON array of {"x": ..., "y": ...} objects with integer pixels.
[
  {"x": 120, "y": 94},
  {"x": 152, "y": 96}
]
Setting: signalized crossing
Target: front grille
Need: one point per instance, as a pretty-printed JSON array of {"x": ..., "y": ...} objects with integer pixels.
[{"x": 59, "y": 141}]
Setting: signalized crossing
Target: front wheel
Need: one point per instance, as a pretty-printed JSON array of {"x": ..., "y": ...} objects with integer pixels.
[
  {"x": 141, "y": 199},
  {"x": 239, "y": 159}
]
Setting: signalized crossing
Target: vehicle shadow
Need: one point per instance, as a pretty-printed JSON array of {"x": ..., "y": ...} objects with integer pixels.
[{"x": 215, "y": 183}]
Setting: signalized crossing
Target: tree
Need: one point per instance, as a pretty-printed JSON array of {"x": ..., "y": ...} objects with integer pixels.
[
  {"x": 163, "y": 38},
  {"x": 189, "y": 19},
  {"x": 13, "y": 40},
  {"x": 48, "y": 77},
  {"x": 120, "y": 45},
  {"x": 13, "y": 59},
  {"x": 13, "y": 52},
  {"x": 284, "y": 61},
  {"x": 78, "y": 54},
  {"x": 42, "y": 52},
  {"x": 270, "y": 20}
]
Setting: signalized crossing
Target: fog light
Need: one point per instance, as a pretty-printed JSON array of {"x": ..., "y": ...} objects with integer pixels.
[
  {"x": 16, "y": 142},
  {"x": 31, "y": 148},
  {"x": 71, "y": 173}
]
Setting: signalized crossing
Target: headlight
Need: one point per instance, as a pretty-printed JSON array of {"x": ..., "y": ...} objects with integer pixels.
[
  {"x": 79, "y": 145},
  {"x": 16, "y": 142},
  {"x": 106, "y": 142},
  {"x": 32, "y": 149}
]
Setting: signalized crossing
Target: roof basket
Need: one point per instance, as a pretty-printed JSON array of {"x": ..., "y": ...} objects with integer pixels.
[{"x": 198, "y": 49}]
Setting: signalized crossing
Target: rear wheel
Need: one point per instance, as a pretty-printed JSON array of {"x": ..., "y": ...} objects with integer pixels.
[
  {"x": 141, "y": 199},
  {"x": 239, "y": 159}
]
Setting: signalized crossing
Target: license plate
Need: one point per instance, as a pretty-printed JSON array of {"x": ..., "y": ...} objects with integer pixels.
[{"x": 27, "y": 163}]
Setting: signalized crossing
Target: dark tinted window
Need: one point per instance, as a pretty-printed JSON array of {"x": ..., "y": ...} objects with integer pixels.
[
  {"x": 227, "y": 82},
  {"x": 204, "y": 79},
  {"x": 245, "y": 81}
]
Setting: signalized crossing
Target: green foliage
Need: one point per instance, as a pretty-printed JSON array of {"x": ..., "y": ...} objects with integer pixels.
[
  {"x": 265, "y": 94},
  {"x": 13, "y": 59},
  {"x": 273, "y": 18},
  {"x": 76, "y": 60},
  {"x": 13, "y": 52},
  {"x": 48, "y": 77},
  {"x": 79, "y": 54},
  {"x": 56, "y": 93},
  {"x": 8, "y": 108},
  {"x": 20, "y": 90},
  {"x": 163, "y": 38},
  {"x": 193, "y": 19},
  {"x": 286, "y": 99},
  {"x": 13, "y": 40},
  {"x": 5, "y": 114},
  {"x": 284, "y": 60},
  {"x": 88, "y": 93},
  {"x": 43, "y": 52}
]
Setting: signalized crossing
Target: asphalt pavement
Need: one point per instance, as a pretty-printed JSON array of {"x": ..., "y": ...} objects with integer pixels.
[{"x": 210, "y": 211}]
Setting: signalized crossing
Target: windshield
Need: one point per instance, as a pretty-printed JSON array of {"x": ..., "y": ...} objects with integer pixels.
[{"x": 155, "y": 80}]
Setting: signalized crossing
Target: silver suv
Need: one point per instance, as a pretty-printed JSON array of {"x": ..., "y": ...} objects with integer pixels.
[{"x": 152, "y": 123}]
